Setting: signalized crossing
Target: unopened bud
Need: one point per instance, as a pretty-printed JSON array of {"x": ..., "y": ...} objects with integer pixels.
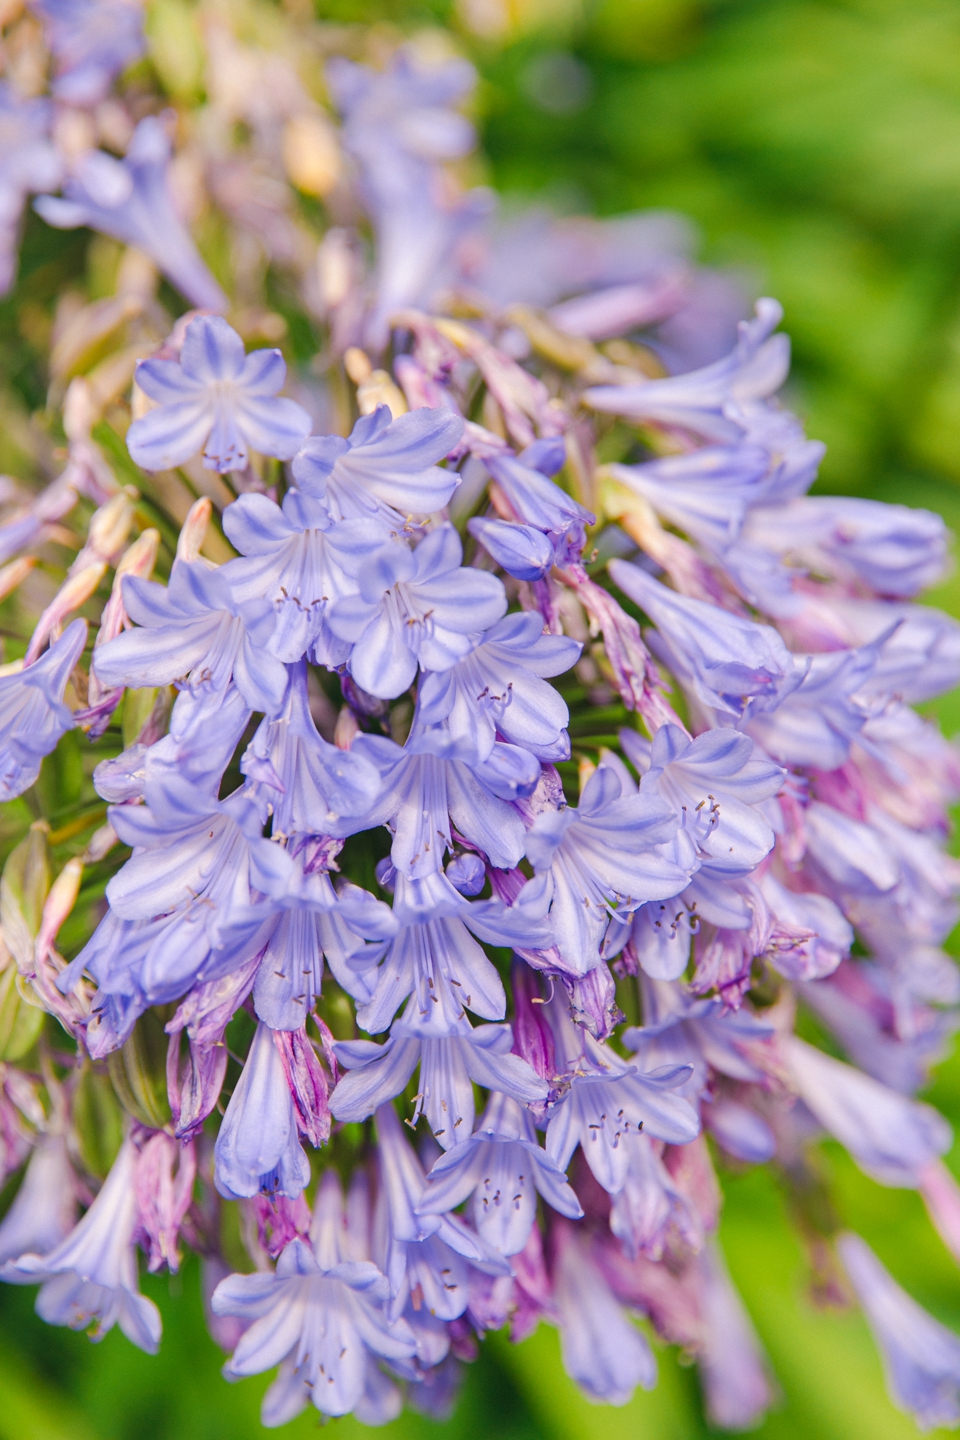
[
  {"x": 73, "y": 593},
  {"x": 194, "y": 530},
  {"x": 311, "y": 155}
]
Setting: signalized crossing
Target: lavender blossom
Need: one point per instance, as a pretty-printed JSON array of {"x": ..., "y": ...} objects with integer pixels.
[
  {"x": 611, "y": 852},
  {"x": 733, "y": 666},
  {"x": 498, "y": 689},
  {"x": 385, "y": 467},
  {"x": 44, "y": 1208},
  {"x": 604, "y": 1102},
  {"x": 196, "y": 631},
  {"x": 606, "y": 1355},
  {"x": 32, "y": 713},
  {"x": 710, "y": 402},
  {"x": 257, "y": 1149},
  {"x": 449, "y": 1067}
]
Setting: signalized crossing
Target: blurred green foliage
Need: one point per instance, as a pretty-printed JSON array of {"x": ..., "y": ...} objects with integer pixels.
[{"x": 817, "y": 147}]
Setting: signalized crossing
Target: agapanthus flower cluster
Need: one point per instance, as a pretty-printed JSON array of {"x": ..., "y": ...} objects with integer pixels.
[{"x": 458, "y": 771}]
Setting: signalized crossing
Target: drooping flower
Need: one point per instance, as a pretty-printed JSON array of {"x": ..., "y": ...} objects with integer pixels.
[
  {"x": 257, "y": 1149},
  {"x": 921, "y": 1357},
  {"x": 32, "y": 713},
  {"x": 130, "y": 200},
  {"x": 891, "y": 1137},
  {"x": 606, "y": 1354},
  {"x": 321, "y": 1318},
  {"x": 215, "y": 399},
  {"x": 502, "y": 1167},
  {"x": 603, "y": 1102},
  {"x": 733, "y": 666},
  {"x": 89, "y": 1280},
  {"x": 29, "y": 164},
  {"x": 611, "y": 852},
  {"x": 449, "y": 1067},
  {"x": 44, "y": 1208}
]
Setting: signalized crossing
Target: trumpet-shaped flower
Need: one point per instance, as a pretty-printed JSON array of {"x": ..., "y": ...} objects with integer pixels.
[
  {"x": 32, "y": 713},
  {"x": 414, "y": 608},
  {"x": 321, "y": 1317},
  {"x": 29, "y": 163},
  {"x": 449, "y": 1067},
  {"x": 498, "y": 689},
  {"x": 131, "y": 201},
  {"x": 89, "y": 1280},
  {"x": 257, "y": 1149},
  {"x": 386, "y": 467},
  {"x": 502, "y": 1167},
  {"x": 92, "y": 41},
  {"x": 215, "y": 399},
  {"x": 197, "y": 632},
  {"x": 608, "y": 853},
  {"x": 921, "y": 1357}
]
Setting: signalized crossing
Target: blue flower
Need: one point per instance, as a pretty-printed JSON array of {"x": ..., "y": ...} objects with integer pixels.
[
  {"x": 717, "y": 785},
  {"x": 130, "y": 200},
  {"x": 503, "y": 1168},
  {"x": 709, "y": 402},
  {"x": 435, "y": 959},
  {"x": 498, "y": 690},
  {"x": 294, "y": 557},
  {"x": 522, "y": 551},
  {"x": 426, "y": 1257},
  {"x": 258, "y": 1149},
  {"x": 818, "y": 722},
  {"x": 891, "y": 1137},
  {"x": 450, "y": 1065},
  {"x": 32, "y": 713},
  {"x": 421, "y": 794},
  {"x": 602, "y": 1102},
  {"x": 89, "y": 1280},
  {"x": 602, "y": 1351},
  {"x": 386, "y": 467},
  {"x": 92, "y": 41},
  {"x": 398, "y": 125},
  {"x": 610, "y": 854},
  {"x": 537, "y": 502},
  {"x": 29, "y": 163},
  {"x": 921, "y": 1357},
  {"x": 216, "y": 399},
  {"x": 312, "y": 784},
  {"x": 414, "y": 608},
  {"x": 894, "y": 550},
  {"x": 732, "y": 665},
  {"x": 321, "y": 1317},
  {"x": 197, "y": 632},
  {"x": 706, "y": 493}
]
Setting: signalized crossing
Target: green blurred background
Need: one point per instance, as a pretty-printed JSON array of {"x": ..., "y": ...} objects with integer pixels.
[{"x": 817, "y": 148}]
